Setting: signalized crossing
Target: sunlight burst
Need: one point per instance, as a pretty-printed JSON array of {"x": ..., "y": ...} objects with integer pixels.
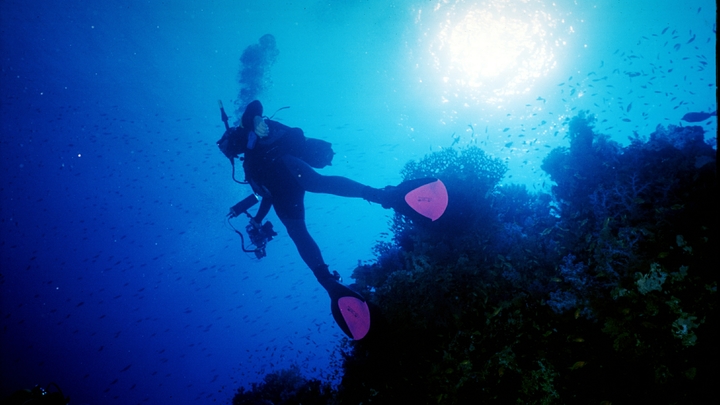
[{"x": 487, "y": 51}]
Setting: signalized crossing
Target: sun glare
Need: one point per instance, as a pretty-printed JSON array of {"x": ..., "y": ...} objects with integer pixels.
[{"x": 486, "y": 51}]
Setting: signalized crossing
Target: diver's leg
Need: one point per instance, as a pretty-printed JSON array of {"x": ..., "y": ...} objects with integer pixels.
[
  {"x": 418, "y": 198},
  {"x": 290, "y": 208},
  {"x": 306, "y": 246},
  {"x": 312, "y": 181},
  {"x": 309, "y": 251},
  {"x": 350, "y": 310},
  {"x": 353, "y": 316}
]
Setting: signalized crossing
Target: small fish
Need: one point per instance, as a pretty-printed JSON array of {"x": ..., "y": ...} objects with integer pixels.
[
  {"x": 698, "y": 116},
  {"x": 577, "y": 365},
  {"x": 628, "y": 107}
]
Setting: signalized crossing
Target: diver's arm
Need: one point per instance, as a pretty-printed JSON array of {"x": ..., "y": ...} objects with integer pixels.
[{"x": 265, "y": 205}]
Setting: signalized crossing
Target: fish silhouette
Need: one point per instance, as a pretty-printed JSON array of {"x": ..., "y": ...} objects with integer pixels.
[{"x": 698, "y": 116}]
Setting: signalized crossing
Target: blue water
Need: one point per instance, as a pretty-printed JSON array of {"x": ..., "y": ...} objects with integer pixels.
[{"x": 121, "y": 280}]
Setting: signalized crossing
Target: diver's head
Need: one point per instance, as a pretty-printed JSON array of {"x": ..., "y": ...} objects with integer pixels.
[{"x": 252, "y": 110}]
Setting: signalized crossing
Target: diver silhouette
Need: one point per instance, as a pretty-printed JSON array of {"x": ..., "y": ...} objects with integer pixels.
[{"x": 278, "y": 164}]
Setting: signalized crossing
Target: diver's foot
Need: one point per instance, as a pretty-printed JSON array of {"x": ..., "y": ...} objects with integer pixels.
[
  {"x": 334, "y": 286},
  {"x": 325, "y": 278},
  {"x": 417, "y": 199},
  {"x": 386, "y": 197}
]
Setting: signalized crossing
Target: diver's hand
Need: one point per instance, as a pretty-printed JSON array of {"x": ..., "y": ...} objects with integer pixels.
[
  {"x": 261, "y": 128},
  {"x": 255, "y": 224}
]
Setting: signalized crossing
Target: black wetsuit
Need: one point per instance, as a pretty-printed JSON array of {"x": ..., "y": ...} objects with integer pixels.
[{"x": 274, "y": 166}]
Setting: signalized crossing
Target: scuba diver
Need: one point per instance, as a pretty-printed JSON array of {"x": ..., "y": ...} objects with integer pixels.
[{"x": 279, "y": 164}]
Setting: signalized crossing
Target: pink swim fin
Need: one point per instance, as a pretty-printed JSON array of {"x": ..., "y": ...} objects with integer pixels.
[
  {"x": 350, "y": 310},
  {"x": 429, "y": 200}
]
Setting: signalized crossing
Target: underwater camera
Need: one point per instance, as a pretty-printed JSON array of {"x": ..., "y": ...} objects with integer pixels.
[{"x": 259, "y": 235}]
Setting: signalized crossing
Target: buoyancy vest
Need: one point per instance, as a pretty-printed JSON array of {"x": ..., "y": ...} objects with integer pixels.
[{"x": 283, "y": 140}]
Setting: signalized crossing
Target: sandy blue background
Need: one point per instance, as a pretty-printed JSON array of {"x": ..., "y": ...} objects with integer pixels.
[{"x": 121, "y": 280}]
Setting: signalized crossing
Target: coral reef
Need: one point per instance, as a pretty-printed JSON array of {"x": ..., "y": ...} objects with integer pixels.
[
  {"x": 285, "y": 387},
  {"x": 601, "y": 292}
]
